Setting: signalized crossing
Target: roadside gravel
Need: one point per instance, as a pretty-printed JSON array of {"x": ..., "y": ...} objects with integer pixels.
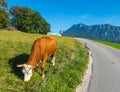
[{"x": 87, "y": 77}]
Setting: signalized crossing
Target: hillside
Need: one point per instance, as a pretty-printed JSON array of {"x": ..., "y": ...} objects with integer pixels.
[
  {"x": 114, "y": 45},
  {"x": 104, "y": 32},
  {"x": 65, "y": 76}
]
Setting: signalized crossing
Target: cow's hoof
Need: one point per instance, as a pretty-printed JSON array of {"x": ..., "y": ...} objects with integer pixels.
[
  {"x": 53, "y": 64},
  {"x": 43, "y": 76}
]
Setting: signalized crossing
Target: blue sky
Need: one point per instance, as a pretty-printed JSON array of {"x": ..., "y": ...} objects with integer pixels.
[{"x": 62, "y": 14}]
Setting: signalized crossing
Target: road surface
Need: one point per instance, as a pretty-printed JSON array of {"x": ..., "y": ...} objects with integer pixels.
[{"x": 106, "y": 68}]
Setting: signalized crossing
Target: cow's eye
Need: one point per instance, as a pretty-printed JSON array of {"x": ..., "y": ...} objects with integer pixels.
[{"x": 30, "y": 71}]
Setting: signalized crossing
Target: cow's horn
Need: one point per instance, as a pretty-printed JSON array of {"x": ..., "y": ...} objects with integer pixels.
[{"x": 21, "y": 65}]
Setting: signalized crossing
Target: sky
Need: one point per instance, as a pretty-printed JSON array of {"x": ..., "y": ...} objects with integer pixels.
[{"x": 62, "y": 14}]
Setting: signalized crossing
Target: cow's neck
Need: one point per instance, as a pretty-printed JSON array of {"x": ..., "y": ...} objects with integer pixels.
[{"x": 33, "y": 63}]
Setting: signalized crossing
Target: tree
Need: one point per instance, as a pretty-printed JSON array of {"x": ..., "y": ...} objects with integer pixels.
[
  {"x": 3, "y": 4},
  {"x": 27, "y": 20},
  {"x": 4, "y": 16}
]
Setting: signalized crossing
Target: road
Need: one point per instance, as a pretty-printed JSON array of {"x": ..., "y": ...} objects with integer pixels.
[{"x": 106, "y": 68}]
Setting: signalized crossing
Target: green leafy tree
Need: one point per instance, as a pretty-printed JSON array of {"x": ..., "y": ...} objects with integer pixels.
[
  {"x": 4, "y": 16},
  {"x": 27, "y": 20}
]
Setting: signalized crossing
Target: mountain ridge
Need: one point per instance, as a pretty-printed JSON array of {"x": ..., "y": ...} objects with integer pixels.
[{"x": 105, "y": 32}]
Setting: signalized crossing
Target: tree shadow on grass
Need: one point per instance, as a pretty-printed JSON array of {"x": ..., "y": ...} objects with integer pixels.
[{"x": 13, "y": 62}]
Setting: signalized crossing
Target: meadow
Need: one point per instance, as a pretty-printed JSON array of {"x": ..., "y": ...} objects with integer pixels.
[
  {"x": 65, "y": 76},
  {"x": 111, "y": 44}
]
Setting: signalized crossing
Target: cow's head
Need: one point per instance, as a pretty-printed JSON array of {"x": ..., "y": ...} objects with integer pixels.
[{"x": 27, "y": 70}]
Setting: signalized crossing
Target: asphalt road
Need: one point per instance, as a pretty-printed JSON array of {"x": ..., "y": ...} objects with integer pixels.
[{"x": 106, "y": 68}]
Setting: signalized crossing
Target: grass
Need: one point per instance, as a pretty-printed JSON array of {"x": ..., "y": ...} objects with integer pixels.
[
  {"x": 114, "y": 45},
  {"x": 65, "y": 76}
]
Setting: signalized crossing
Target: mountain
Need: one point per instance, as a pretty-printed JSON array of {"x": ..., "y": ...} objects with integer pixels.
[{"x": 104, "y": 32}]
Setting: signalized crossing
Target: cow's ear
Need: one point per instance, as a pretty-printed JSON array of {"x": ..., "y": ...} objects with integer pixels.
[{"x": 21, "y": 65}]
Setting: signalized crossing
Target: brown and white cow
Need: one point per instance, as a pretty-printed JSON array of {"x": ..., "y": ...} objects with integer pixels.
[{"x": 41, "y": 49}]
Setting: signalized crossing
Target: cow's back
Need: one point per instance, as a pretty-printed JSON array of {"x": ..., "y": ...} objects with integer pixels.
[{"x": 46, "y": 45}]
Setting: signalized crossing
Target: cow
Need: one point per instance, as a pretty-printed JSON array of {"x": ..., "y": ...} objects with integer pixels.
[{"x": 41, "y": 50}]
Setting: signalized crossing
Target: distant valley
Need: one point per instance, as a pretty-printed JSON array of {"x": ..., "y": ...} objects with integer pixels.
[{"x": 104, "y": 32}]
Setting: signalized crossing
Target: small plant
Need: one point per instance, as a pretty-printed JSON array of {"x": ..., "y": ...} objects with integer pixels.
[
  {"x": 71, "y": 35},
  {"x": 10, "y": 29}
]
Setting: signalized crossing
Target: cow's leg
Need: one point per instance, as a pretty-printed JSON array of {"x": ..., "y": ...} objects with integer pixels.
[
  {"x": 43, "y": 66},
  {"x": 53, "y": 58},
  {"x": 38, "y": 66},
  {"x": 53, "y": 61},
  {"x": 39, "y": 63}
]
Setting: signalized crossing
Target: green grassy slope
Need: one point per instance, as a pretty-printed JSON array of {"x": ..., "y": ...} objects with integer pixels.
[
  {"x": 114, "y": 45},
  {"x": 71, "y": 63}
]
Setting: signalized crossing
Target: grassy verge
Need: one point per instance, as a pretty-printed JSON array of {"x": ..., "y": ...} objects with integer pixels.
[
  {"x": 114, "y": 45},
  {"x": 71, "y": 63}
]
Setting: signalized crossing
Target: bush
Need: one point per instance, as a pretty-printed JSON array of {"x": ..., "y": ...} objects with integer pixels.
[{"x": 10, "y": 29}]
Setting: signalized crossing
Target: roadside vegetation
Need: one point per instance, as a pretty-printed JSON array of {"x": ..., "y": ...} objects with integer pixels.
[
  {"x": 65, "y": 76},
  {"x": 114, "y": 45}
]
